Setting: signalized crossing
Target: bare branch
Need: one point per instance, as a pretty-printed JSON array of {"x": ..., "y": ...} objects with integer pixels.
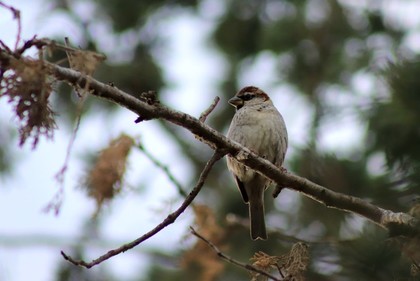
[
  {"x": 209, "y": 110},
  {"x": 56, "y": 203},
  {"x": 16, "y": 16},
  {"x": 216, "y": 140},
  {"x": 165, "y": 169},
  {"x": 231, "y": 260},
  {"x": 167, "y": 221}
]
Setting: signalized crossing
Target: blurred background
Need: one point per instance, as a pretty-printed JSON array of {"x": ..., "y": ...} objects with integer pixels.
[{"x": 344, "y": 74}]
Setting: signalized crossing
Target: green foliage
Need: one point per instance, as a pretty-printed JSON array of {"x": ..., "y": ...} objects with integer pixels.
[
  {"x": 394, "y": 124},
  {"x": 7, "y": 159},
  {"x": 373, "y": 257},
  {"x": 134, "y": 13},
  {"x": 238, "y": 37},
  {"x": 140, "y": 75}
]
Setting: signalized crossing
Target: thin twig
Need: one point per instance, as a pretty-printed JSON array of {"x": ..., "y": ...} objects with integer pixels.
[
  {"x": 207, "y": 112},
  {"x": 5, "y": 47},
  {"x": 83, "y": 94},
  {"x": 167, "y": 221},
  {"x": 415, "y": 263},
  {"x": 56, "y": 203},
  {"x": 19, "y": 23},
  {"x": 16, "y": 15},
  {"x": 279, "y": 269},
  {"x": 231, "y": 260},
  {"x": 165, "y": 169}
]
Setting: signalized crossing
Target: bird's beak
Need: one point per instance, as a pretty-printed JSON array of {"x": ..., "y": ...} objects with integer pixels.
[{"x": 236, "y": 102}]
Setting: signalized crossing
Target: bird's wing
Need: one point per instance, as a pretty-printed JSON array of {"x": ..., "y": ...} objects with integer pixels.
[{"x": 242, "y": 189}]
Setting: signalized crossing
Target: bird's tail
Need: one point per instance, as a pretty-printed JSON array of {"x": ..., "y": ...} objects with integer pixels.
[{"x": 256, "y": 216}]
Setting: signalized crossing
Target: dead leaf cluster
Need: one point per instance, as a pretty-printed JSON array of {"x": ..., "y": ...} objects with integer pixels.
[
  {"x": 290, "y": 266},
  {"x": 104, "y": 180},
  {"x": 200, "y": 257},
  {"x": 26, "y": 84}
]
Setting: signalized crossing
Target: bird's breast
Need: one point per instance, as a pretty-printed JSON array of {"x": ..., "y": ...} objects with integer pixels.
[{"x": 260, "y": 132}]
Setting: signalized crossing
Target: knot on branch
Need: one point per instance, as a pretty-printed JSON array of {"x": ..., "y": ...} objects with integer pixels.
[
  {"x": 400, "y": 224},
  {"x": 149, "y": 97},
  {"x": 242, "y": 155}
]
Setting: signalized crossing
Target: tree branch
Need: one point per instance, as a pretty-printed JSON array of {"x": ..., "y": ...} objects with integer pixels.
[
  {"x": 167, "y": 221},
  {"x": 233, "y": 261},
  {"x": 207, "y": 112},
  {"x": 400, "y": 222},
  {"x": 16, "y": 16}
]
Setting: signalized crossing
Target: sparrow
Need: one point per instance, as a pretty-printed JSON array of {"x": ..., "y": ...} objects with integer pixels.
[{"x": 260, "y": 127}]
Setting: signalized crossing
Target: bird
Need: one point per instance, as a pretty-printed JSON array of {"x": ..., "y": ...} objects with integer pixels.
[{"x": 259, "y": 126}]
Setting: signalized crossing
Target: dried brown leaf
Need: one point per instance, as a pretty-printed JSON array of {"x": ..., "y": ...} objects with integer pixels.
[
  {"x": 410, "y": 245},
  {"x": 105, "y": 178},
  {"x": 415, "y": 209},
  {"x": 200, "y": 258},
  {"x": 415, "y": 270},
  {"x": 83, "y": 61},
  {"x": 28, "y": 88},
  {"x": 206, "y": 223},
  {"x": 264, "y": 262},
  {"x": 290, "y": 266},
  {"x": 296, "y": 261}
]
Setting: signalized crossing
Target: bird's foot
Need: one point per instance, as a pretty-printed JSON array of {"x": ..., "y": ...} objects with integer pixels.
[{"x": 279, "y": 187}]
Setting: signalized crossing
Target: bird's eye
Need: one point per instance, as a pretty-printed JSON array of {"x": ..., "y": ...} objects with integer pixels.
[{"x": 247, "y": 96}]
